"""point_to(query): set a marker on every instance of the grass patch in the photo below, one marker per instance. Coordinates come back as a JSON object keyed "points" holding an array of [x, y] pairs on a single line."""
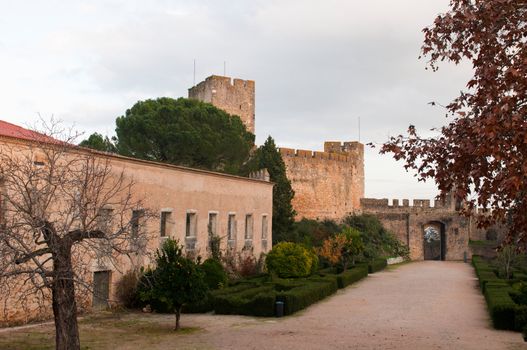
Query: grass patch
{"points": [[482, 243], [105, 330]]}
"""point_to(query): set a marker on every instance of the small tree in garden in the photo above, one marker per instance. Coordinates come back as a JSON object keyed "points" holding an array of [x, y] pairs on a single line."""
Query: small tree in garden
{"points": [[342, 248], [354, 246], [176, 280], [507, 260]]}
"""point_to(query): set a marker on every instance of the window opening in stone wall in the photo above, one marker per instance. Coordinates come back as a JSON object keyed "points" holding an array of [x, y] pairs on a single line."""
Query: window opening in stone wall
{"points": [[213, 224], [104, 219], [136, 222], [231, 227], [265, 228], [231, 231], [165, 221], [136, 243], [39, 159], [191, 225], [249, 226]]}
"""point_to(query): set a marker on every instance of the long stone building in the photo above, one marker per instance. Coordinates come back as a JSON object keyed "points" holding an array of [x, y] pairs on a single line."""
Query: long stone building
{"points": [[187, 203]]}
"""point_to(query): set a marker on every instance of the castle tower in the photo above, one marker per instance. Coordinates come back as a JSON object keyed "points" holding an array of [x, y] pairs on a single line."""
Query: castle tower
{"points": [[234, 96]]}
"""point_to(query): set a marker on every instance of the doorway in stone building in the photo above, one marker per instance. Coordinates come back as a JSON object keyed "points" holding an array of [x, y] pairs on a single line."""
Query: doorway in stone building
{"points": [[434, 243], [101, 289]]}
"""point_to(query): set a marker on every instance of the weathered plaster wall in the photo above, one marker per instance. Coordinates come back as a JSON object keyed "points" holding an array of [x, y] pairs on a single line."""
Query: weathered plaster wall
{"points": [[179, 190], [234, 96], [329, 184]]}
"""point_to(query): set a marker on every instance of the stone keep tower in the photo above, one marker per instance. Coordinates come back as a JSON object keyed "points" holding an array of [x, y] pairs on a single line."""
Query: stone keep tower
{"points": [[234, 96]]}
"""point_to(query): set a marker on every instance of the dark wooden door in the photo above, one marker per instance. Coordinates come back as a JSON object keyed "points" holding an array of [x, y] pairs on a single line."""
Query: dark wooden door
{"points": [[101, 289]]}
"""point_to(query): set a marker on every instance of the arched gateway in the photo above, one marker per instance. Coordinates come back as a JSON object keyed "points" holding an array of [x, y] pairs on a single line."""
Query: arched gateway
{"points": [[434, 242]]}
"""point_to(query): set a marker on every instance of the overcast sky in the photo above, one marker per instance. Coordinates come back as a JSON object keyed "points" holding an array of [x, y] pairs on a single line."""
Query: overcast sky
{"points": [[318, 67]]}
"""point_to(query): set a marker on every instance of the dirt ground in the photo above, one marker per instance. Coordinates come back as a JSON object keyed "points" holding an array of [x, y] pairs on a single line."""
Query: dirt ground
{"points": [[422, 305]]}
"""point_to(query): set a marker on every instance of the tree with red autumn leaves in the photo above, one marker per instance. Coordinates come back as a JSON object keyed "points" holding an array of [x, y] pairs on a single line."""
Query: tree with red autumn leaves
{"points": [[481, 155]]}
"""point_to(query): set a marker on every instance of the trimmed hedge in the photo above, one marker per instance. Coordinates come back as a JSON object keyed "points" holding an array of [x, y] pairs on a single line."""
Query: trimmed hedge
{"points": [[355, 274], [501, 307], [256, 302], [299, 298], [257, 297], [501, 298], [377, 265], [488, 277]]}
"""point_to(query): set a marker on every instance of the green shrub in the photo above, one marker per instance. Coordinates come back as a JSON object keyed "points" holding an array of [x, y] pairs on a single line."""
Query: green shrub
{"points": [[519, 276], [301, 297], [204, 305], [314, 261], [520, 317], [488, 276], [288, 260], [376, 239], [144, 286], [501, 307], [215, 275], [377, 265], [312, 232], [258, 301], [348, 277], [126, 289]]}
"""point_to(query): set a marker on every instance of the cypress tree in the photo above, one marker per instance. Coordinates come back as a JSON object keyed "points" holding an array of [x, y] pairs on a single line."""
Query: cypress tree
{"points": [[267, 156]]}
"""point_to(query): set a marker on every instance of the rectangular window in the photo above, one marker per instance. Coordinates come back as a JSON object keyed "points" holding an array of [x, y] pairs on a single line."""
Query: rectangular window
{"points": [[213, 224], [249, 226], [231, 228], [136, 222], [191, 224], [165, 223], [265, 227], [104, 219]]}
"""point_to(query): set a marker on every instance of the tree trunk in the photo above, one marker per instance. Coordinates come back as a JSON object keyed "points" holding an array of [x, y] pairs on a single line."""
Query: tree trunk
{"points": [[178, 316], [64, 304], [345, 265]]}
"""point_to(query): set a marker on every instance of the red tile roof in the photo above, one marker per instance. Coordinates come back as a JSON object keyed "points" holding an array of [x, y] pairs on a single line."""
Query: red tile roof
{"points": [[12, 130]]}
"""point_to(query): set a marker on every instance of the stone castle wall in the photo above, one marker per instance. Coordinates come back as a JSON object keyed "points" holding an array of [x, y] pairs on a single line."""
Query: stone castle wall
{"points": [[329, 184], [234, 96], [407, 222]]}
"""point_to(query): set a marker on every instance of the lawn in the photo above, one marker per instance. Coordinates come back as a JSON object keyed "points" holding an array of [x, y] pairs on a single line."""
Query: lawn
{"points": [[127, 330]]}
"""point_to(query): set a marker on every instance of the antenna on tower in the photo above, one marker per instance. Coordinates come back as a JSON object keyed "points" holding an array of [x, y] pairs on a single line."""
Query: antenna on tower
{"points": [[224, 68], [359, 128], [194, 81]]}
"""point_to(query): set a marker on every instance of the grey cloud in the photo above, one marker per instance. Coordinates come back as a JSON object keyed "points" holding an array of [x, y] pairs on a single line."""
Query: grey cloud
{"points": [[318, 66]]}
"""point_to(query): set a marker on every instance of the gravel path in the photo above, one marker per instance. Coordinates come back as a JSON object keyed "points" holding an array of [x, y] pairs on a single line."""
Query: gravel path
{"points": [[422, 305]]}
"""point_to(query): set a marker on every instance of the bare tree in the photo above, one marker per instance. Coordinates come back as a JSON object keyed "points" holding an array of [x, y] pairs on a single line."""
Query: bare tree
{"points": [[63, 209]]}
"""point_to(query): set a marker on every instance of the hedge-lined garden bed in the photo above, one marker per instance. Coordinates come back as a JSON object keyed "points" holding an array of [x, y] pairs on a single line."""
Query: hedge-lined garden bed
{"points": [[258, 296], [503, 301]]}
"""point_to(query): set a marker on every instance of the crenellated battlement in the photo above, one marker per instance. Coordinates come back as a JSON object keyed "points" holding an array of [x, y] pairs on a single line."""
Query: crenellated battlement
{"points": [[348, 147], [384, 204], [337, 151], [302, 153], [234, 96]]}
